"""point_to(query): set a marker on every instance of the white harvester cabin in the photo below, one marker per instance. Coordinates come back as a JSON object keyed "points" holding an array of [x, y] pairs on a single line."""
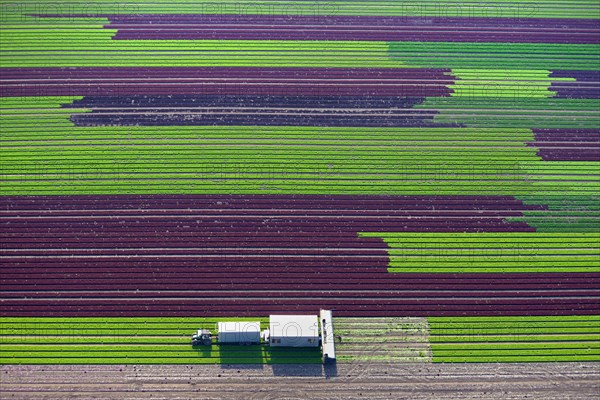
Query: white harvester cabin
{"points": [[239, 332], [294, 330], [327, 338]]}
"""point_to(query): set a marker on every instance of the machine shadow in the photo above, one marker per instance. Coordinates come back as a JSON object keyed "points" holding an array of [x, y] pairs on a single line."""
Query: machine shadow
{"points": [[300, 362], [307, 370], [203, 351], [235, 356]]}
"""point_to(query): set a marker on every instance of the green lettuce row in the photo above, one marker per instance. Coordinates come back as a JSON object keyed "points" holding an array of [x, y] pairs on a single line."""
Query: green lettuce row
{"points": [[497, 8], [481, 331], [551, 347], [459, 236], [516, 358], [515, 339], [495, 269], [449, 8], [491, 252], [589, 322], [257, 172], [75, 187], [520, 104], [268, 186], [164, 359]]}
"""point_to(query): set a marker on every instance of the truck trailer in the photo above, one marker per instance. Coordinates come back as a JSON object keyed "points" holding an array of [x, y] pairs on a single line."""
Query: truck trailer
{"points": [[284, 331]]}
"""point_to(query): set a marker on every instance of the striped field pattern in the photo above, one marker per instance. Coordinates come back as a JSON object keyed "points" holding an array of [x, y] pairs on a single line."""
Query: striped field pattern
{"points": [[428, 170]]}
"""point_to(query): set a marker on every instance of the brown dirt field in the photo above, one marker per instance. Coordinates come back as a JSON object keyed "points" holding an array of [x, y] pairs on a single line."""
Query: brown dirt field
{"points": [[416, 381]]}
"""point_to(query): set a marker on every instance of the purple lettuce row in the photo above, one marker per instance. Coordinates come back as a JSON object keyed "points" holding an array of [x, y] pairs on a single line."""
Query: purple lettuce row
{"points": [[354, 307], [253, 110], [285, 33], [251, 311], [360, 74], [260, 27], [578, 303], [274, 110], [273, 290], [304, 214], [178, 276], [225, 81], [446, 294], [319, 252], [228, 119], [213, 225], [316, 253], [567, 144], [586, 85], [571, 145], [231, 202], [392, 21], [206, 222], [434, 304], [190, 102], [209, 89], [379, 28], [563, 90], [567, 135], [576, 93], [331, 20], [311, 261], [459, 211], [187, 275], [570, 155], [583, 76], [240, 233]]}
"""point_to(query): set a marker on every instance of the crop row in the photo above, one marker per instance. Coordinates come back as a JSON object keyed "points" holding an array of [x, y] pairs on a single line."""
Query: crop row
{"points": [[457, 177], [490, 252], [584, 9], [199, 202], [149, 340], [473, 339], [353, 307], [314, 186], [187, 281], [517, 358], [67, 343], [515, 339], [277, 58], [35, 52]]}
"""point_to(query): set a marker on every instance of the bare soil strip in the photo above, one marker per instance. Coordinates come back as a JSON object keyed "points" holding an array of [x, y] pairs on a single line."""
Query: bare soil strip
{"points": [[417, 381]]}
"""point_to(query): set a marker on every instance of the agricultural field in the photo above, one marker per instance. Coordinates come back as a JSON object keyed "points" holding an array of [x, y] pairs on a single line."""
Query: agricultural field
{"points": [[389, 340], [430, 171]]}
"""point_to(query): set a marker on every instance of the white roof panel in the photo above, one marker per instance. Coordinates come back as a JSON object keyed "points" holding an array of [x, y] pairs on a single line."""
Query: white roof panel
{"points": [[239, 326], [282, 326]]}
